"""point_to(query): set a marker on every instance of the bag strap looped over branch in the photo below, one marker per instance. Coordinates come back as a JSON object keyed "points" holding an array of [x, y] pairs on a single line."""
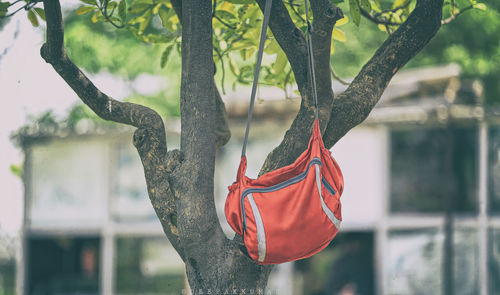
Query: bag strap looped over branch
{"points": [[310, 64]]}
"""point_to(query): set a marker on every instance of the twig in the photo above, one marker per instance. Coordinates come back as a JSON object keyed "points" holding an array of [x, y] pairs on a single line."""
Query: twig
{"points": [[454, 16], [287, 78], [26, 6], [104, 11], [376, 20], [224, 23], [292, 6], [395, 9], [219, 54], [214, 15], [336, 77]]}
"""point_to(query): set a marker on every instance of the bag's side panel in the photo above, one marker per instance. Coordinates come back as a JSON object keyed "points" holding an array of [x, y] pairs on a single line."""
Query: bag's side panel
{"points": [[331, 170], [232, 210]]}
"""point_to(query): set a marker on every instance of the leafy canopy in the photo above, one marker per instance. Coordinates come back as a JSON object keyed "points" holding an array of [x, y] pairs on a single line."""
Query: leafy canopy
{"points": [[117, 25]]}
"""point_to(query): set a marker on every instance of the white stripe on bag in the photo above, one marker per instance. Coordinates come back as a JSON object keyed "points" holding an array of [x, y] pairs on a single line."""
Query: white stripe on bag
{"points": [[261, 234]]}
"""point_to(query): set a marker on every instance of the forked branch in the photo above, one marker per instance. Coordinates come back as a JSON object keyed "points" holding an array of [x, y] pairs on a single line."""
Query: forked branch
{"points": [[353, 106]]}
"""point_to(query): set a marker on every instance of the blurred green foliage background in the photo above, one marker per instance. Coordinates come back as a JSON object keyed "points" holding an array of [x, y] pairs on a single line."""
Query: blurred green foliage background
{"points": [[150, 43]]}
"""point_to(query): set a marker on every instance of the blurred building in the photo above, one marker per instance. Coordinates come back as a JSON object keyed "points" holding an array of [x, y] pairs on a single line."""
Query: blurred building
{"points": [[420, 207]]}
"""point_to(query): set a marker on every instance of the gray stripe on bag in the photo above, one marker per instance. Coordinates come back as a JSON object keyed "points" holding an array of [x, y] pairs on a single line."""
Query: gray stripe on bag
{"points": [[327, 210], [261, 235]]}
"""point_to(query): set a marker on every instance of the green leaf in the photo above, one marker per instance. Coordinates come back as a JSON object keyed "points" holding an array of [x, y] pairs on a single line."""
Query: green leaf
{"points": [[4, 7], [150, 2], [337, 1], [165, 55], [17, 170], [280, 63], [165, 15], [395, 18], [111, 6], [40, 12], [365, 4], [157, 8], [342, 21], [338, 35], [241, 44], [233, 67], [32, 18], [160, 38], [355, 11], [136, 20], [375, 5], [240, 1], [225, 15], [122, 9], [138, 7], [481, 6], [91, 2], [144, 24], [273, 47], [84, 9], [400, 3], [95, 16]]}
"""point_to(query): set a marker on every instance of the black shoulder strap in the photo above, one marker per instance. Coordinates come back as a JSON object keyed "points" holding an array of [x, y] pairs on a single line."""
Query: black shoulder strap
{"points": [[310, 64], [265, 22]]}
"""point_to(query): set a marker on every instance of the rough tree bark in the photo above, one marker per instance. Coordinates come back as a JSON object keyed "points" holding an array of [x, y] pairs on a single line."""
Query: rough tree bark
{"points": [[180, 182]]}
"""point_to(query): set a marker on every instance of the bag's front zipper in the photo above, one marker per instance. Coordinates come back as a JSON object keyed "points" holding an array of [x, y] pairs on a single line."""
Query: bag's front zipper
{"points": [[328, 186]]}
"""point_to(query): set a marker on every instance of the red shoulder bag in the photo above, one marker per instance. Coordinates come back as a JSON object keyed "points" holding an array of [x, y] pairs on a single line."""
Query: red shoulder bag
{"points": [[295, 211]]}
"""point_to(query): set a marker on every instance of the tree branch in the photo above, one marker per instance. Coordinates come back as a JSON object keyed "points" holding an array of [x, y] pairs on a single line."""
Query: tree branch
{"points": [[193, 180], [353, 106], [149, 138], [107, 108], [326, 15], [203, 240], [222, 132]]}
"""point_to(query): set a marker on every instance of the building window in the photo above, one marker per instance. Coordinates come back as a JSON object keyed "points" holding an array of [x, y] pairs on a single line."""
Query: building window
{"points": [[344, 267], [68, 184], [494, 261], [130, 201], [415, 261], [8, 246], [466, 261], [416, 257], [63, 265], [426, 161], [147, 266]]}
